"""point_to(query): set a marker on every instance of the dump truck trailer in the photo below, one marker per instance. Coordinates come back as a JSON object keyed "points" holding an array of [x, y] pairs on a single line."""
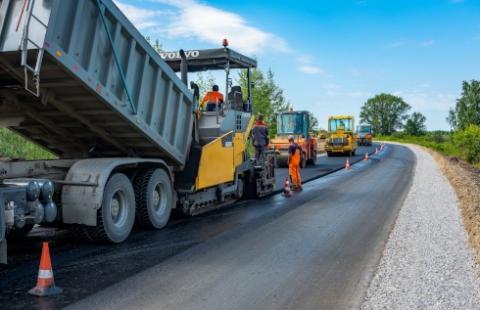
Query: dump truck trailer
{"points": [[78, 79]]}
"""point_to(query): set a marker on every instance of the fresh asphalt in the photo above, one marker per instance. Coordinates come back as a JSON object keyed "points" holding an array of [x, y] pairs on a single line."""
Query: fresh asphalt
{"points": [[314, 250]]}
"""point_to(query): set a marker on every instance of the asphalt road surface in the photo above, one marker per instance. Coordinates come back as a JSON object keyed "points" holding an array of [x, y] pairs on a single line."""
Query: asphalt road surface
{"points": [[316, 249], [325, 165]]}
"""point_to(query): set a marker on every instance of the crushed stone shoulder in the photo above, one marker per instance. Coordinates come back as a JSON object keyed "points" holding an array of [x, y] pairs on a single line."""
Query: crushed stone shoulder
{"points": [[427, 262]]}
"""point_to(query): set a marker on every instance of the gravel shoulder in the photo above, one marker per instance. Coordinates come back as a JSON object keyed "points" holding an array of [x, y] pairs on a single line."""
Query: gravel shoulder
{"points": [[427, 262]]}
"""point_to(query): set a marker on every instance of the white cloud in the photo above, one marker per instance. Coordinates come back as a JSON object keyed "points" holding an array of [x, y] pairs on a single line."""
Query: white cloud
{"points": [[427, 43], [306, 65], [192, 19], [310, 69], [425, 101], [141, 18]]}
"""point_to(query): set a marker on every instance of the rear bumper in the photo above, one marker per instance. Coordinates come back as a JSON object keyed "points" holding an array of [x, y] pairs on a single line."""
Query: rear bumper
{"points": [[338, 149]]}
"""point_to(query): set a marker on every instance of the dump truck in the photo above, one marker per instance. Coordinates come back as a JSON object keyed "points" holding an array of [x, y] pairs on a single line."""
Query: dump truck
{"points": [[364, 135], [341, 139], [296, 124], [78, 79]]}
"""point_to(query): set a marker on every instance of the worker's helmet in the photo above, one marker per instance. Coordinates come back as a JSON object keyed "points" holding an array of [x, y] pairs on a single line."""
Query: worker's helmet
{"points": [[215, 87], [291, 138]]}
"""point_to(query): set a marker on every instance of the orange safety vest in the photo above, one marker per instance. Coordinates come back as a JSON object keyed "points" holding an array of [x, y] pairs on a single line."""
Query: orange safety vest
{"points": [[295, 157], [213, 97]]}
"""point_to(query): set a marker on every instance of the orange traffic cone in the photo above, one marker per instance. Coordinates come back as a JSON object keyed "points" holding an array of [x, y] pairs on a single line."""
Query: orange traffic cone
{"points": [[287, 190], [45, 283], [366, 156], [347, 164]]}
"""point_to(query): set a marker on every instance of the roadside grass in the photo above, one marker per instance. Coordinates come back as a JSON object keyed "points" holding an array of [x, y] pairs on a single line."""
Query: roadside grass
{"points": [[14, 146], [442, 142]]}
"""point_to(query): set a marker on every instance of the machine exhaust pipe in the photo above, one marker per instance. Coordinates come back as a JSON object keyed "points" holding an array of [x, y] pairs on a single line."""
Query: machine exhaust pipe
{"points": [[183, 67]]}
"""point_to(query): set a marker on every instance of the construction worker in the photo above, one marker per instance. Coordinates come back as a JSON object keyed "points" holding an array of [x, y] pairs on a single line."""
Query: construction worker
{"points": [[212, 99], [260, 137], [294, 158]]}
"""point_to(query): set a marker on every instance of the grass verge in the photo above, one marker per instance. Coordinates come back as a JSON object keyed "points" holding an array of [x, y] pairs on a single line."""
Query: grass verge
{"points": [[14, 146]]}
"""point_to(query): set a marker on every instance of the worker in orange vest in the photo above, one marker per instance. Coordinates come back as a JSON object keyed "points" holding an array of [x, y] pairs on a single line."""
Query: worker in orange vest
{"points": [[294, 158], [212, 99]]}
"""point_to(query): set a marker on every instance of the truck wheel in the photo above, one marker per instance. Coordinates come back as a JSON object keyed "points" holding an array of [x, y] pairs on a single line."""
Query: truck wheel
{"points": [[116, 216], [154, 195]]}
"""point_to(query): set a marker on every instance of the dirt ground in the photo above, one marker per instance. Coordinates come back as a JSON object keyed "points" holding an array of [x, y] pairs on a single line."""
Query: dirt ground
{"points": [[465, 179]]}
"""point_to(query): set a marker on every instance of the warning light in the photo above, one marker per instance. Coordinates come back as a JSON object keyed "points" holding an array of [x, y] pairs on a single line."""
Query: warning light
{"points": [[225, 43]]}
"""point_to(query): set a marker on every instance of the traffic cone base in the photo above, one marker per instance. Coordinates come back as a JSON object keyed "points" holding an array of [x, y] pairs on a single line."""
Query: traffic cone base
{"points": [[287, 190], [45, 283], [48, 291]]}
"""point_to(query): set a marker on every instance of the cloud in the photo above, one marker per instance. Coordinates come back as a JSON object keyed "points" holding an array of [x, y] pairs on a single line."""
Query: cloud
{"points": [[397, 44], [427, 101], [192, 19], [310, 69], [306, 65], [141, 18], [427, 43]]}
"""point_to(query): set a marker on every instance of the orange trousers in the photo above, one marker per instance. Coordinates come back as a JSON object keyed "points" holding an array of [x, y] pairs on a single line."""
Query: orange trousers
{"points": [[294, 169]]}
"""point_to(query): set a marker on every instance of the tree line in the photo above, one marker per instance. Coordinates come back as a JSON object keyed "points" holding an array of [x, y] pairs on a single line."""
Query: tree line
{"points": [[388, 115]]}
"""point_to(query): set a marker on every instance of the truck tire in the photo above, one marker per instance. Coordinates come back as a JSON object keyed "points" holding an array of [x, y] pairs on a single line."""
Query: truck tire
{"points": [[154, 196], [116, 216]]}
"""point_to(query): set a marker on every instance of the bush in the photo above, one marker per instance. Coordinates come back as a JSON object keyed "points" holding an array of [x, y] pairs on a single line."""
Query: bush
{"points": [[468, 143]]}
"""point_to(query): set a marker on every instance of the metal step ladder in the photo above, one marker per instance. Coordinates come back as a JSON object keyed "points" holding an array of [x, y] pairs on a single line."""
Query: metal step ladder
{"points": [[31, 72]]}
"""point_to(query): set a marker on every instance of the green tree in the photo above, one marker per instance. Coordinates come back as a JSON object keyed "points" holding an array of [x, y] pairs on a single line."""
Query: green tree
{"points": [[313, 121], [205, 82], [467, 108], [156, 45], [467, 142], [415, 125], [268, 96], [386, 113]]}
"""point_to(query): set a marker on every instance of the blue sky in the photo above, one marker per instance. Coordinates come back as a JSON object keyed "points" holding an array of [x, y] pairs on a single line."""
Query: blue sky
{"points": [[331, 56]]}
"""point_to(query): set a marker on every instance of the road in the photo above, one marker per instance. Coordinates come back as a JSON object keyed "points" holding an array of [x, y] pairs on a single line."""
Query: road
{"points": [[313, 250], [324, 165]]}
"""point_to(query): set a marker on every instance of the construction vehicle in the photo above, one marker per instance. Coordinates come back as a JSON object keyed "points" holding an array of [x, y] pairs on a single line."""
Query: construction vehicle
{"points": [[296, 124], [78, 79], [364, 135], [341, 139]]}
